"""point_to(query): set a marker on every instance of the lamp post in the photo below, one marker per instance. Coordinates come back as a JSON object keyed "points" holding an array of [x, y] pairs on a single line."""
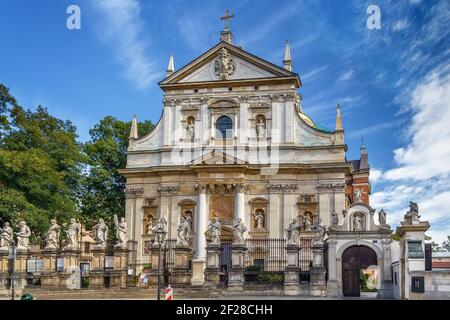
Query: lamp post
{"points": [[12, 258], [160, 237]]}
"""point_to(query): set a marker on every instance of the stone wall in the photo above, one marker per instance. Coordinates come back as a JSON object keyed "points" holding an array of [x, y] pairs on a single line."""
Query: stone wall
{"points": [[437, 285]]}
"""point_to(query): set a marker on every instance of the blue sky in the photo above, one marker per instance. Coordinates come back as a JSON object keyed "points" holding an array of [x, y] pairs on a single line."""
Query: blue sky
{"points": [[393, 83]]}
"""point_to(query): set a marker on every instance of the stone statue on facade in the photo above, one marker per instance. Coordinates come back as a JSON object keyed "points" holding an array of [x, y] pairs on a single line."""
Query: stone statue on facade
{"points": [[259, 219], [23, 236], [100, 233], [357, 222], [191, 130], [214, 231], [412, 216], [307, 222], [239, 230], [73, 234], [334, 219], [382, 217], [121, 231], [260, 129], [319, 232], [151, 225], [52, 236], [357, 196], [293, 232], [184, 230], [224, 66], [6, 236]]}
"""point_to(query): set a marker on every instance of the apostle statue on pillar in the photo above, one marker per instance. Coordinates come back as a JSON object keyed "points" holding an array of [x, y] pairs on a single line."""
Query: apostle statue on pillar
{"points": [[214, 231], [6, 236], [73, 234], [357, 196], [184, 230], [101, 233], [52, 236], [239, 230], [121, 231], [293, 232], [319, 232], [23, 236]]}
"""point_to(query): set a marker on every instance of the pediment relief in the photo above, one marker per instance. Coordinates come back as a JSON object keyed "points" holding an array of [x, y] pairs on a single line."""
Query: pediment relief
{"points": [[226, 62], [217, 158]]}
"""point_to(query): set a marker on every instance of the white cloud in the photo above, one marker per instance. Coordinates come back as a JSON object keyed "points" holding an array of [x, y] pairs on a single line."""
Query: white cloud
{"points": [[422, 169], [400, 25], [313, 74], [121, 29], [375, 175], [346, 76]]}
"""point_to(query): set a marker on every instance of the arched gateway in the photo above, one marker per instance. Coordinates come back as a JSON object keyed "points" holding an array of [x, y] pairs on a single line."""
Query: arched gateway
{"points": [[355, 259]]}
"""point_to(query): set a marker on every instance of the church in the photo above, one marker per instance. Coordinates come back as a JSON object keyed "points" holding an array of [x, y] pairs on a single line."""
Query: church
{"points": [[234, 142]]}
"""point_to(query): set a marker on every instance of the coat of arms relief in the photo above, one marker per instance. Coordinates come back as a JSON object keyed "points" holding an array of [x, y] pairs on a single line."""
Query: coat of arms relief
{"points": [[224, 65]]}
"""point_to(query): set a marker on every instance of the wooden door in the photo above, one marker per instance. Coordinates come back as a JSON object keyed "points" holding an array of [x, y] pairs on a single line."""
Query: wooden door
{"points": [[354, 259]]}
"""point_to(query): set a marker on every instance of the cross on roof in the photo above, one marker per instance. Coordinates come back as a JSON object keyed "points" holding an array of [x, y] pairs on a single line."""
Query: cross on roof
{"points": [[226, 18]]}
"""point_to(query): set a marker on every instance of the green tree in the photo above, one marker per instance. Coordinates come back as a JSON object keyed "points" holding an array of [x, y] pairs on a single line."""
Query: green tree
{"points": [[40, 165], [103, 186], [446, 244], [435, 247]]}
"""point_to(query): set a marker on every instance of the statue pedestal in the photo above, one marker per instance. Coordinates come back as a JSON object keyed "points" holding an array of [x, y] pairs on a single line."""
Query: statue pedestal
{"points": [[49, 277], [181, 273], [291, 273], [198, 272], [318, 286], [70, 277], [4, 269], [236, 273], [20, 268], [153, 275], [212, 271], [118, 276], [96, 274]]}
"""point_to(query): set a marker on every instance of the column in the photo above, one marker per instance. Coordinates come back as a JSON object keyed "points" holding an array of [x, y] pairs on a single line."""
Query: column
{"points": [[198, 263], [332, 283], [241, 189], [318, 287], [292, 271]]}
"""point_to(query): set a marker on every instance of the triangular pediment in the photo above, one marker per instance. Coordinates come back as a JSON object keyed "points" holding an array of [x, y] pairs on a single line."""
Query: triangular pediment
{"points": [[217, 158], [225, 62]]}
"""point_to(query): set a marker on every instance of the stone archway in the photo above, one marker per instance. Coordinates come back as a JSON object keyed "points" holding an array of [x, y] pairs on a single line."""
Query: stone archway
{"points": [[354, 259]]}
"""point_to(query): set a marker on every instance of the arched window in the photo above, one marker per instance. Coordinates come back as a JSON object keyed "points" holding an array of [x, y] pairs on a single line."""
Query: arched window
{"points": [[224, 127]]}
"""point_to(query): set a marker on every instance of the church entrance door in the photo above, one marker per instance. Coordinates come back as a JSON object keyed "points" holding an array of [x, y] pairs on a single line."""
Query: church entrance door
{"points": [[354, 260]]}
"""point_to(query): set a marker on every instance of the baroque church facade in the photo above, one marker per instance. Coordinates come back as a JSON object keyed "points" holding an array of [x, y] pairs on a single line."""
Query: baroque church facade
{"points": [[234, 142]]}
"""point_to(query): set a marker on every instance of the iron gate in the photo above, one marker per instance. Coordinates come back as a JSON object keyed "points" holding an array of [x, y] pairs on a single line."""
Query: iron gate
{"points": [[225, 259]]}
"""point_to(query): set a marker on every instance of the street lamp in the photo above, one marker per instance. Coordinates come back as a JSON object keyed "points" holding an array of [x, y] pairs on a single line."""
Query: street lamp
{"points": [[12, 258], [160, 237]]}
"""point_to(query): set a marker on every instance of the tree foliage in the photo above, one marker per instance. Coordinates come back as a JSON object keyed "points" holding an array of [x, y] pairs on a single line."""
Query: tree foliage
{"points": [[45, 172]]}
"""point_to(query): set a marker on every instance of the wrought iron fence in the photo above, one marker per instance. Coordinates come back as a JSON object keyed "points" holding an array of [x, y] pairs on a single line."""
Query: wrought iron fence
{"points": [[168, 259], [225, 259], [265, 261], [305, 257]]}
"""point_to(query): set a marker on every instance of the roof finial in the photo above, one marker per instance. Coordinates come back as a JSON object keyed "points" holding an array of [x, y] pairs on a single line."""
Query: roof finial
{"points": [[226, 35], [170, 66], [134, 129], [287, 61], [338, 118]]}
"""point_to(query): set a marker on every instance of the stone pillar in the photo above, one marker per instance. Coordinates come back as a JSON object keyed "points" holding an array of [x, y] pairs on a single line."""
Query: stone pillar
{"points": [[181, 274], [70, 277], [153, 276], [20, 268], [198, 263], [317, 274], [236, 273], [212, 271], [332, 283], [291, 274], [49, 278], [411, 232], [4, 268], [96, 274], [118, 276]]}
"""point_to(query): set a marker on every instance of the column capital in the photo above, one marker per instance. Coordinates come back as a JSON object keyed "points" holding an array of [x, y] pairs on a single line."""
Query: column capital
{"points": [[200, 188], [168, 190], [241, 188], [134, 192]]}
